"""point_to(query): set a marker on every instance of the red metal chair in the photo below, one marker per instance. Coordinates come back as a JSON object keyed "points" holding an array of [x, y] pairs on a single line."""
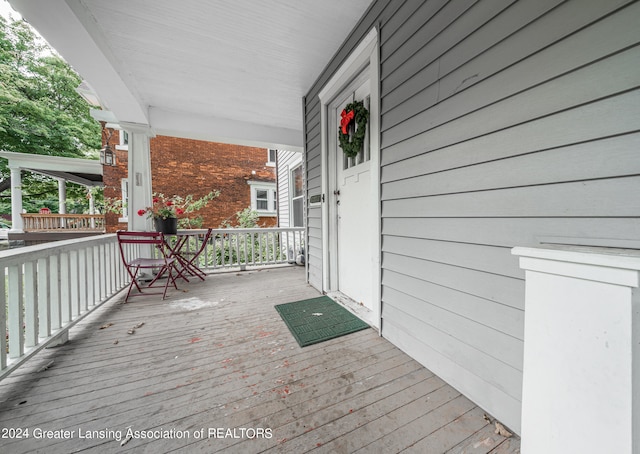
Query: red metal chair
{"points": [[134, 244], [189, 259]]}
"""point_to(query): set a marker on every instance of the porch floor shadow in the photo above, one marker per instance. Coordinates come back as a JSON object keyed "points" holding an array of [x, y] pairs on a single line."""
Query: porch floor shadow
{"points": [[213, 368]]}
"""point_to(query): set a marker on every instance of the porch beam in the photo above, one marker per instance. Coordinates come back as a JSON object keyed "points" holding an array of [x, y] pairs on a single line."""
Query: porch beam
{"points": [[224, 130]]}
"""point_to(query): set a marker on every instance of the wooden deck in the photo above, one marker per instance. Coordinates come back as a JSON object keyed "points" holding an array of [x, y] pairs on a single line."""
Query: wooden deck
{"points": [[214, 369]]}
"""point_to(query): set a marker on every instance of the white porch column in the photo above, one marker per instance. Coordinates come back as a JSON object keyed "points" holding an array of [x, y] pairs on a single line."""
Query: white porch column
{"points": [[62, 200], [581, 383], [62, 196], [140, 187], [17, 225], [92, 207]]}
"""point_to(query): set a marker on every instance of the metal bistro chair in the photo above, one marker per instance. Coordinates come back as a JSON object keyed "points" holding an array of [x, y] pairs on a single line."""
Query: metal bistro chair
{"points": [[162, 262], [189, 259]]}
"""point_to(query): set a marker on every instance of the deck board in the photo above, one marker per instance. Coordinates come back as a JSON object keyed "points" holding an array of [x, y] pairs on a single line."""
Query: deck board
{"points": [[217, 355]]}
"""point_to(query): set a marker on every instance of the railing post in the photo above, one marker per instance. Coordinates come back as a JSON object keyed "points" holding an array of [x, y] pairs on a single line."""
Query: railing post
{"points": [[581, 375]]}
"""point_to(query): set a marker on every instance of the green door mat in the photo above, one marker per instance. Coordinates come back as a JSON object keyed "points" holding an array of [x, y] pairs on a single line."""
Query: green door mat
{"points": [[318, 319]]}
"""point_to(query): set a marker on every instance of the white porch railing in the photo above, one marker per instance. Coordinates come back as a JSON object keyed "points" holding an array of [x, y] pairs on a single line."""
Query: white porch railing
{"points": [[34, 222], [48, 288], [243, 248]]}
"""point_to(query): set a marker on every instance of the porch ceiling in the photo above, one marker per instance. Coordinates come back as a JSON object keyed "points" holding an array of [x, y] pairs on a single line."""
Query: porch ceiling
{"points": [[225, 70]]}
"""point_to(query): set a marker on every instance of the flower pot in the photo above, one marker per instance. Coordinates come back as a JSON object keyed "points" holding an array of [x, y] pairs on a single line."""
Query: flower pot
{"points": [[167, 226]]}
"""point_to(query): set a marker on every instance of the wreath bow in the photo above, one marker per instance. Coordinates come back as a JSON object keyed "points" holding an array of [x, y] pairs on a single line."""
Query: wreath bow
{"points": [[351, 144], [346, 120]]}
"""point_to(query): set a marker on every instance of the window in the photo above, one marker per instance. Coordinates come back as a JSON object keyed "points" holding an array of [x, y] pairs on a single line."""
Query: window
{"points": [[264, 198], [297, 197], [124, 140], [271, 157], [124, 188]]}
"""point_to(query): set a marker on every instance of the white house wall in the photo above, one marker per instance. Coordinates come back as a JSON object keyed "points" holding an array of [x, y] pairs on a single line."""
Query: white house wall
{"points": [[503, 123], [287, 161]]}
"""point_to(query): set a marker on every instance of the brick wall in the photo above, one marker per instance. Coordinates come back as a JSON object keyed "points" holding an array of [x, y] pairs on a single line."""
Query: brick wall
{"points": [[186, 166]]}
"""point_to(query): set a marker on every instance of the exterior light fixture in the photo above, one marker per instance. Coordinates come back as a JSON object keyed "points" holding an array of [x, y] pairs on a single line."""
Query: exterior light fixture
{"points": [[107, 155]]}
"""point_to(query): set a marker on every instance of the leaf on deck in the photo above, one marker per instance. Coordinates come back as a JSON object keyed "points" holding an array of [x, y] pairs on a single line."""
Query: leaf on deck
{"points": [[500, 430]]}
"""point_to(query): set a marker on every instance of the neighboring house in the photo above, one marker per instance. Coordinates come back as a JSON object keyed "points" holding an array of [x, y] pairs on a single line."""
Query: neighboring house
{"points": [[290, 181], [245, 177], [493, 125]]}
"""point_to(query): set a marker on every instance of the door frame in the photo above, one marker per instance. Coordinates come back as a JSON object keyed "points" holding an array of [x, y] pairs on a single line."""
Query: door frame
{"points": [[366, 54]]}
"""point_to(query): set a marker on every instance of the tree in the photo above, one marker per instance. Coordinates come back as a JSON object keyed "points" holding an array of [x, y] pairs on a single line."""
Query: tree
{"points": [[40, 111]]}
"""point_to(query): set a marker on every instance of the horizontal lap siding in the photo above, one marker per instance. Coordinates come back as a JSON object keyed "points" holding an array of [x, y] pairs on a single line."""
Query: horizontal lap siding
{"points": [[287, 160], [503, 124]]}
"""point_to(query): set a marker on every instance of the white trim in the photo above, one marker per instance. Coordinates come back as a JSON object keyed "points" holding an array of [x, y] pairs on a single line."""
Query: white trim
{"points": [[272, 196], [269, 162], [124, 196], [292, 188], [356, 60], [365, 54]]}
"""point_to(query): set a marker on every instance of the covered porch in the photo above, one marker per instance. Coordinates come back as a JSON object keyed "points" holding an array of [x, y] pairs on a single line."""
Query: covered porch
{"points": [[213, 366]]}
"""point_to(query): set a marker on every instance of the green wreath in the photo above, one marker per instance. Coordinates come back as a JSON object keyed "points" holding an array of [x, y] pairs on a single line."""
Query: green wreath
{"points": [[351, 141]]}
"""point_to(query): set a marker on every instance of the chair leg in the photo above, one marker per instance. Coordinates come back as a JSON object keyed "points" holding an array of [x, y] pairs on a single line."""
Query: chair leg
{"points": [[133, 282]]}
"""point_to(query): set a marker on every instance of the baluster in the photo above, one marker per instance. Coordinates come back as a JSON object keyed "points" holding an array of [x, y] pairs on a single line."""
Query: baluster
{"points": [[44, 290], [84, 281], [65, 288], [16, 312], [31, 308], [56, 297], [74, 283]]}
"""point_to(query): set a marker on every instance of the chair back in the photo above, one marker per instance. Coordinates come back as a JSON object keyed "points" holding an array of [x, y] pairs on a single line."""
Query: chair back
{"points": [[204, 242], [139, 238]]}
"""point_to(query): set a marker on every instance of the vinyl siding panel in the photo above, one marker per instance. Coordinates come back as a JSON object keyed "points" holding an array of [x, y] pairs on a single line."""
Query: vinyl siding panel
{"points": [[287, 160], [503, 123]]}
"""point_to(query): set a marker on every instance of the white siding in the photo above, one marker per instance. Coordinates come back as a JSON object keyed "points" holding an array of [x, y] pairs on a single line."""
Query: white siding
{"points": [[503, 124], [287, 160]]}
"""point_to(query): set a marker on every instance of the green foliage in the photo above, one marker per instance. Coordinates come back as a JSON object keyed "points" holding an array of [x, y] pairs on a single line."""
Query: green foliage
{"points": [[40, 111], [245, 248], [245, 219]]}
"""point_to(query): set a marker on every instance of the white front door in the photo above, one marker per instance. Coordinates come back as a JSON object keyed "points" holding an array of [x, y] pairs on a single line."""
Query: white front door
{"points": [[355, 202]]}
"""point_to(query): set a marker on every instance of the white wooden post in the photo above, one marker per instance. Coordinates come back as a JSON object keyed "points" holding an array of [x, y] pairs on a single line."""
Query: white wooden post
{"points": [[581, 376], [62, 200], [92, 208], [140, 187], [16, 200]]}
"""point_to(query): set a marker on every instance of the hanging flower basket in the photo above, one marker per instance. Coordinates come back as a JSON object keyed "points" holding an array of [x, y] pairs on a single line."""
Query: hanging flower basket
{"points": [[353, 128]]}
